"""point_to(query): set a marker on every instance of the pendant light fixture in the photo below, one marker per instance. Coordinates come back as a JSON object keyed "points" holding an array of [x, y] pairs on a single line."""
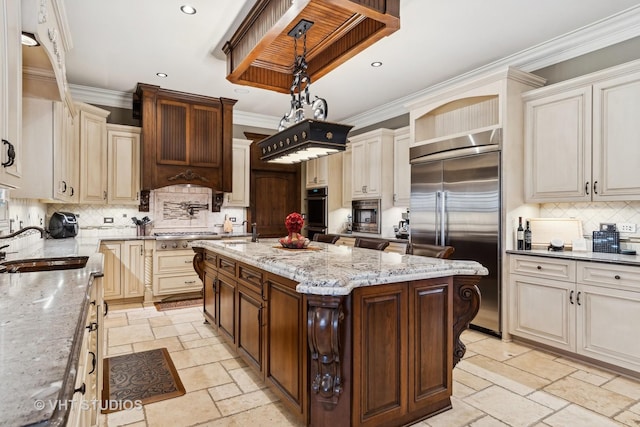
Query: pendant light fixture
{"points": [[299, 138]]}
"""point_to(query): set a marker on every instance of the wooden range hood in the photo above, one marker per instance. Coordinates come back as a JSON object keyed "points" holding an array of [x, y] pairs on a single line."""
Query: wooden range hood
{"points": [[261, 54]]}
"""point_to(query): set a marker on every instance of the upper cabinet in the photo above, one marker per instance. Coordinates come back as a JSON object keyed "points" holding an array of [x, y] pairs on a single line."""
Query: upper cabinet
{"points": [[241, 169], [186, 138], [317, 172], [372, 165], [92, 128], [578, 138], [49, 134], [401, 168], [347, 187], [123, 164], [10, 94]]}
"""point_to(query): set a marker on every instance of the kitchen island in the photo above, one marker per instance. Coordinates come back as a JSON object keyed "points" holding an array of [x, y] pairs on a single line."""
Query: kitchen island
{"points": [[344, 336]]}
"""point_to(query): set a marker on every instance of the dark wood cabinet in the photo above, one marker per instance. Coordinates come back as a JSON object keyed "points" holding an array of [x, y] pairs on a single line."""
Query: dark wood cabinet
{"points": [[286, 341], [186, 138], [210, 295], [227, 305], [249, 334]]}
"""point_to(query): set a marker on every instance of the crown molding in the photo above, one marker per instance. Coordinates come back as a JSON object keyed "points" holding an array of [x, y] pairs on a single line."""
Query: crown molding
{"points": [[606, 32]]}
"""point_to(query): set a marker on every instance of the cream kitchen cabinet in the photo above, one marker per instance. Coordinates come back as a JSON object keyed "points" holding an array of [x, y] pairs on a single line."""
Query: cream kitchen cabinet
{"points": [[347, 186], [123, 164], [92, 128], [588, 308], [49, 128], [577, 138], [123, 269], [372, 164], [317, 172], [173, 272], [11, 155], [401, 168], [239, 195]]}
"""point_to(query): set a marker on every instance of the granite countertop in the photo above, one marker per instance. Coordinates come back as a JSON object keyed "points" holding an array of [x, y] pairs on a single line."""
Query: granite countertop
{"points": [[42, 314], [583, 256], [337, 269]]}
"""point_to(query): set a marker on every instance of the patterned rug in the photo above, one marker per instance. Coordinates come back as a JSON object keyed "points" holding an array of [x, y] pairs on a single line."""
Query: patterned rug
{"points": [[147, 377], [171, 305]]}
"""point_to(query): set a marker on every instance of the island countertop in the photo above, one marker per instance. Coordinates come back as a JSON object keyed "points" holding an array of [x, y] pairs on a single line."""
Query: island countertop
{"points": [[326, 269]]}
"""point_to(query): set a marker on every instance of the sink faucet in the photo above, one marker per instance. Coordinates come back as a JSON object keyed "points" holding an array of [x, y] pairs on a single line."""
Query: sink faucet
{"points": [[22, 230], [254, 232], [3, 254]]}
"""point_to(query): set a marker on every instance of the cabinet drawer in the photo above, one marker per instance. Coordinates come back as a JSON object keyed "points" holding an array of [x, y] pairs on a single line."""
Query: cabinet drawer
{"points": [[173, 262], [610, 275], [172, 284], [558, 269], [250, 277], [227, 266], [211, 260]]}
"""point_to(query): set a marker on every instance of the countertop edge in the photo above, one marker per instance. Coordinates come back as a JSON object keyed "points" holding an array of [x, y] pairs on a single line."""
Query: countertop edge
{"points": [[600, 257]]}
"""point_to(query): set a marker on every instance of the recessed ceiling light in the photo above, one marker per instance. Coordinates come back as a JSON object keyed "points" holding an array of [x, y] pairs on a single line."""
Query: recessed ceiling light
{"points": [[241, 90], [29, 39], [163, 75], [189, 10], [376, 64]]}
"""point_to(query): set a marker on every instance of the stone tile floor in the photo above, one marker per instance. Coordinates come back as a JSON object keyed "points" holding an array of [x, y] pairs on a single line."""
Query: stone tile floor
{"points": [[496, 384]]}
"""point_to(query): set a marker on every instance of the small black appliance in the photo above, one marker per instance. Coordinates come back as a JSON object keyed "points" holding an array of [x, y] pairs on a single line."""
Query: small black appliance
{"points": [[63, 225]]}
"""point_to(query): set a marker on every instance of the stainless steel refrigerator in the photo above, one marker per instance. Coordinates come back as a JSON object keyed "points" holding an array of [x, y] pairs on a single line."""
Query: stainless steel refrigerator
{"points": [[455, 201]]}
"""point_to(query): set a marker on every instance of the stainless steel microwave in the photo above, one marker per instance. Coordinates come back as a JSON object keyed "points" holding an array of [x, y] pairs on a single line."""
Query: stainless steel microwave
{"points": [[366, 216]]}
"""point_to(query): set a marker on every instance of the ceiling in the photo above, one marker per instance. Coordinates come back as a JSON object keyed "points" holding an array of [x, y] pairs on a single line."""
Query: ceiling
{"points": [[118, 43]]}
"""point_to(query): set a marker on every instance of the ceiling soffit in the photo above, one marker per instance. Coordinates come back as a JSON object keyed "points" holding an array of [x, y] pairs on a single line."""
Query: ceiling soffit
{"points": [[261, 53]]}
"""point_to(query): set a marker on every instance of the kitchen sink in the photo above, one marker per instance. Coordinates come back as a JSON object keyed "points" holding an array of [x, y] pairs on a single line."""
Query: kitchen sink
{"points": [[43, 264]]}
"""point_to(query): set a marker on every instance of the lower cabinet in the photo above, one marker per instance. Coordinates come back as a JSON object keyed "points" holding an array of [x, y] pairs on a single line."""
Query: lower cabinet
{"points": [[588, 308], [173, 273], [88, 385], [123, 269]]}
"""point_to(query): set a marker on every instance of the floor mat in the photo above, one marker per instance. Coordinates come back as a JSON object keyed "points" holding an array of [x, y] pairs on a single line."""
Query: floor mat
{"points": [[148, 376], [170, 305]]}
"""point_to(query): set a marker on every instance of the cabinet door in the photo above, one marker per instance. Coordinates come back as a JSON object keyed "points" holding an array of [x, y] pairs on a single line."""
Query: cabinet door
{"points": [[608, 325], [112, 252], [616, 108], [286, 340], [205, 136], [401, 169], [10, 93], [360, 169], [93, 158], [133, 268], [210, 283], [347, 179], [123, 161], [239, 195], [373, 172], [558, 147], [317, 172], [249, 333], [543, 310], [227, 307], [172, 137], [66, 168]]}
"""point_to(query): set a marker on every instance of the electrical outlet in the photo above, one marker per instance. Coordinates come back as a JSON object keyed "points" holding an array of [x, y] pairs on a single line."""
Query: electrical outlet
{"points": [[108, 220], [232, 218], [626, 227]]}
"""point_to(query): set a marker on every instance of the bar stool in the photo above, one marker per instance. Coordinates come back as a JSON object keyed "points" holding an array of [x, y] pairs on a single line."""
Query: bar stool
{"points": [[376, 244], [326, 238], [433, 251]]}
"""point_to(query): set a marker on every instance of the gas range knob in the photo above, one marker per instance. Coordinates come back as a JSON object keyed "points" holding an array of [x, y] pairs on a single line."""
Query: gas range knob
{"points": [[185, 244], [174, 245], [163, 246]]}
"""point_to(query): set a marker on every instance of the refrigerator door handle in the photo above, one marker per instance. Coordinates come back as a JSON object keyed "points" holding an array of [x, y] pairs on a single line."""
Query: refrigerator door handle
{"points": [[437, 213], [443, 209]]}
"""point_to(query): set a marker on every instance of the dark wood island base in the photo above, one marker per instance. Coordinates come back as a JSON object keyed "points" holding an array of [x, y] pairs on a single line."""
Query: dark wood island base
{"points": [[382, 355]]}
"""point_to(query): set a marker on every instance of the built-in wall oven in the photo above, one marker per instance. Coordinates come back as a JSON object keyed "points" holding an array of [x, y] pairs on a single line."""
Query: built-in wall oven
{"points": [[317, 215], [366, 216]]}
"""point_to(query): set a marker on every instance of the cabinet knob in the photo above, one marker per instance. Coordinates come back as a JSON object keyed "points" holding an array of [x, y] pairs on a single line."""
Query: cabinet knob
{"points": [[104, 194], [82, 389], [539, 267], [64, 186], [72, 192], [189, 282], [595, 187], [11, 154], [617, 277], [586, 188]]}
